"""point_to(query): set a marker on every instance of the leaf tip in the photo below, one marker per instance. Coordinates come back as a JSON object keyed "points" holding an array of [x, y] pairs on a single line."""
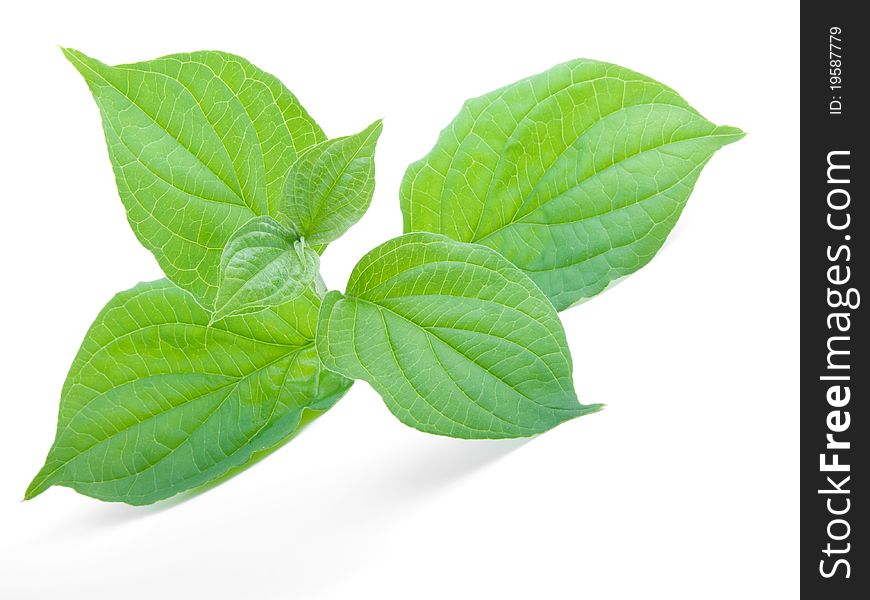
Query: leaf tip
{"points": [[374, 130], [36, 487], [588, 409], [730, 134], [71, 54], [81, 61]]}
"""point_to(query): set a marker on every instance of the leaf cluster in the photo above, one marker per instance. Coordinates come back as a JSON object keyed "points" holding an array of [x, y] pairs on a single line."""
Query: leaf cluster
{"points": [[535, 197]]}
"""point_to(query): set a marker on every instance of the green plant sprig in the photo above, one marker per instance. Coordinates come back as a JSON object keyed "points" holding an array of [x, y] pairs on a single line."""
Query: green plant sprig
{"points": [[536, 196]]}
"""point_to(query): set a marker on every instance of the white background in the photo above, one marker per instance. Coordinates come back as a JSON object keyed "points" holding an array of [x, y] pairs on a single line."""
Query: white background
{"points": [[686, 486]]}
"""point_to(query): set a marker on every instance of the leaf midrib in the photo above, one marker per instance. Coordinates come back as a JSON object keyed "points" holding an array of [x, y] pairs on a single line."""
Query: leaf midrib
{"points": [[459, 352], [572, 263], [173, 185], [236, 381], [336, 179], [245, 282], [416, 391], [659, 148], [144, 112], [522, 119], [368, 291]]}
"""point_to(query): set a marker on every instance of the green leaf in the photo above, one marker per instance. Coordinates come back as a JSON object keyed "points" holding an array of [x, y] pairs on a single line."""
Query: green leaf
{"points": [[330, 186], [157, 402], [263, 265], [200, 143], [576, 175], [457, 340]]}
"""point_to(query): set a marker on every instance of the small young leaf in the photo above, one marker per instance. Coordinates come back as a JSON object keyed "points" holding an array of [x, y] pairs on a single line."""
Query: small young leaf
{"points": [[576, 175], [457, 340], [157, 401], [263, 265], [330, 186], [200, 143]]}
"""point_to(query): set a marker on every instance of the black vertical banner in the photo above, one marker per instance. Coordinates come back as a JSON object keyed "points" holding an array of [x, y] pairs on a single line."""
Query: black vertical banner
{"points": [[834, 370]]}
